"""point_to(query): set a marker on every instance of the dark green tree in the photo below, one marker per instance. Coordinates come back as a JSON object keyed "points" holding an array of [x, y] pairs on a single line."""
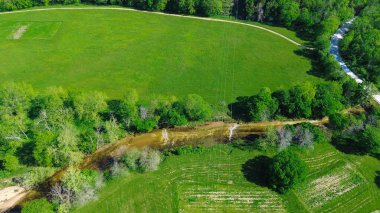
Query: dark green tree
{"points": [[285, 171]]}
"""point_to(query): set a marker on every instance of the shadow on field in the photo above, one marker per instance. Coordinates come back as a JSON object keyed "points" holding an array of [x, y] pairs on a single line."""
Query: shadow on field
{"points": [[346, 145], [377, 179], [311, 55], [255, 170]]}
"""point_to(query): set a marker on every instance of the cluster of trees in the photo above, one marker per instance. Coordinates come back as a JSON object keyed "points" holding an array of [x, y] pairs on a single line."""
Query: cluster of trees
{"points": [[7, 5], [190, 7], [305, 16], [299, 135], [144, 160], [301, 101], [361, 46], [357, 133], [77, 188], [55, 128]]}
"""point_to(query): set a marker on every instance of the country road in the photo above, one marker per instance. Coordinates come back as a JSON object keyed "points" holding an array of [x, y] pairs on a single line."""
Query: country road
{"points": [[334, 50]]}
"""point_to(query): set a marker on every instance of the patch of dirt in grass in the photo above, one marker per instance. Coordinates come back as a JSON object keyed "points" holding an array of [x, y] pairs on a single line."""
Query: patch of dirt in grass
{"points": [[331, 186], [9, 196], [227, 198], [19, 32]]}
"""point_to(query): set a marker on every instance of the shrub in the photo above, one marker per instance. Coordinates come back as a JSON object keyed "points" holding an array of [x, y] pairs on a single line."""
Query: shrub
{"points": [[38, 206], [196, 108], [73, 179], [130, 158], [368, 141], [146, 125], [339, 121], [36, 176], [210, 7], [10, 162], [285, 171], [188, 150], [149, 160]]}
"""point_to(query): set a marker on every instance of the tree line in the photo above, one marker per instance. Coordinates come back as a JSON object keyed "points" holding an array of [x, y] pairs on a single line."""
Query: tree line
{"points": [[55, 127], [305, 100], [361, 46]]}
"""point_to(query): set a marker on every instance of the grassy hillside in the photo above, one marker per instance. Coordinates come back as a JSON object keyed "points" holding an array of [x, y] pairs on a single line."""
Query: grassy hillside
{"points": [[214, 182], [114, 50]]}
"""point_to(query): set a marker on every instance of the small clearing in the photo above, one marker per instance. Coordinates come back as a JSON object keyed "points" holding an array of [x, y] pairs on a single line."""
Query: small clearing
{"points": [[19, 32]]}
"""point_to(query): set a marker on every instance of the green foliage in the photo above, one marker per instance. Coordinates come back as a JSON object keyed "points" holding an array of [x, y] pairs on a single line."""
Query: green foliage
{"points": [[73, 179], [286, 171], [196, 108], [10, 162], [91, 177], [144, 161], [43, 151], [327, 100], [38, 206], [88, 105], [36, 176], [368, 140], [146, 125], [149, 160], [297, 101], [183, 150], [262, 106], [186, 6], [113, 131], [209, 7], [361, 48], [338, 121], [130, 158]]}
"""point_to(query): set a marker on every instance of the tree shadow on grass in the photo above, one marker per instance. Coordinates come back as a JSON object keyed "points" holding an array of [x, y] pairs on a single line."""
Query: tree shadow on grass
{"points": [[377, 179], [312, 55], [255, 170], [346, 145]]}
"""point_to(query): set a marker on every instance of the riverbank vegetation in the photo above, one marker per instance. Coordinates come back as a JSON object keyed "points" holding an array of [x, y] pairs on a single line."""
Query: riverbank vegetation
{"points": [[361, 47], [291, 168]]}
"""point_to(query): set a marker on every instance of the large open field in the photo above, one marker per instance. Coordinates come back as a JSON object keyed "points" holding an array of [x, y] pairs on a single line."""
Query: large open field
{"points": [[214, 182], [110, 51]]}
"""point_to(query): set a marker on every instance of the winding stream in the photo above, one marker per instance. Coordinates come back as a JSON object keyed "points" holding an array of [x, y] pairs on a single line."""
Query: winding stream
{"points": [[334, 50]]}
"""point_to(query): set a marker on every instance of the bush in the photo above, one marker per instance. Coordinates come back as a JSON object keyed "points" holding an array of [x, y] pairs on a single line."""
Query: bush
{"points": [[10, 162], [210, 7], [196, 108], [339, 121], [285, 171], [149, 160], [130, 158], [188, 150], [368, 141], [36, 176], [38, 206], [146, 125]]}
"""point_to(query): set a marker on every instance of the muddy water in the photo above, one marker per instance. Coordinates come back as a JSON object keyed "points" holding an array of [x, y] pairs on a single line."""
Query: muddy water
{"points": [[207, 134]]}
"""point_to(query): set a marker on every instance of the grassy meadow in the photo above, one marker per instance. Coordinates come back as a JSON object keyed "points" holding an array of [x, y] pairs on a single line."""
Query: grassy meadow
{"points": [[214, 182], [111, 51]]}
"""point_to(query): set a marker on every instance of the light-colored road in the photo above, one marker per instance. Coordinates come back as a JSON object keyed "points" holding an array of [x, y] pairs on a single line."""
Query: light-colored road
{"points": [[159, 13], [334, 50]]}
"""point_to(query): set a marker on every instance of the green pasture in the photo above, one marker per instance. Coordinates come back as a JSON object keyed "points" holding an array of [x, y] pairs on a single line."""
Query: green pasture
{"points": [[111, 51], [214, 182]]}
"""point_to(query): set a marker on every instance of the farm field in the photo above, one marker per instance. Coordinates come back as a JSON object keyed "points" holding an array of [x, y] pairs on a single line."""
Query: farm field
{"points": [[214, 182], [111, 51]]}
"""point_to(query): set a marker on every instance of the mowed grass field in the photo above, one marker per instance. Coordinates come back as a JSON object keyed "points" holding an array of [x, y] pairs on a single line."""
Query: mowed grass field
{"points": [[214, 182], [111, 51]]}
